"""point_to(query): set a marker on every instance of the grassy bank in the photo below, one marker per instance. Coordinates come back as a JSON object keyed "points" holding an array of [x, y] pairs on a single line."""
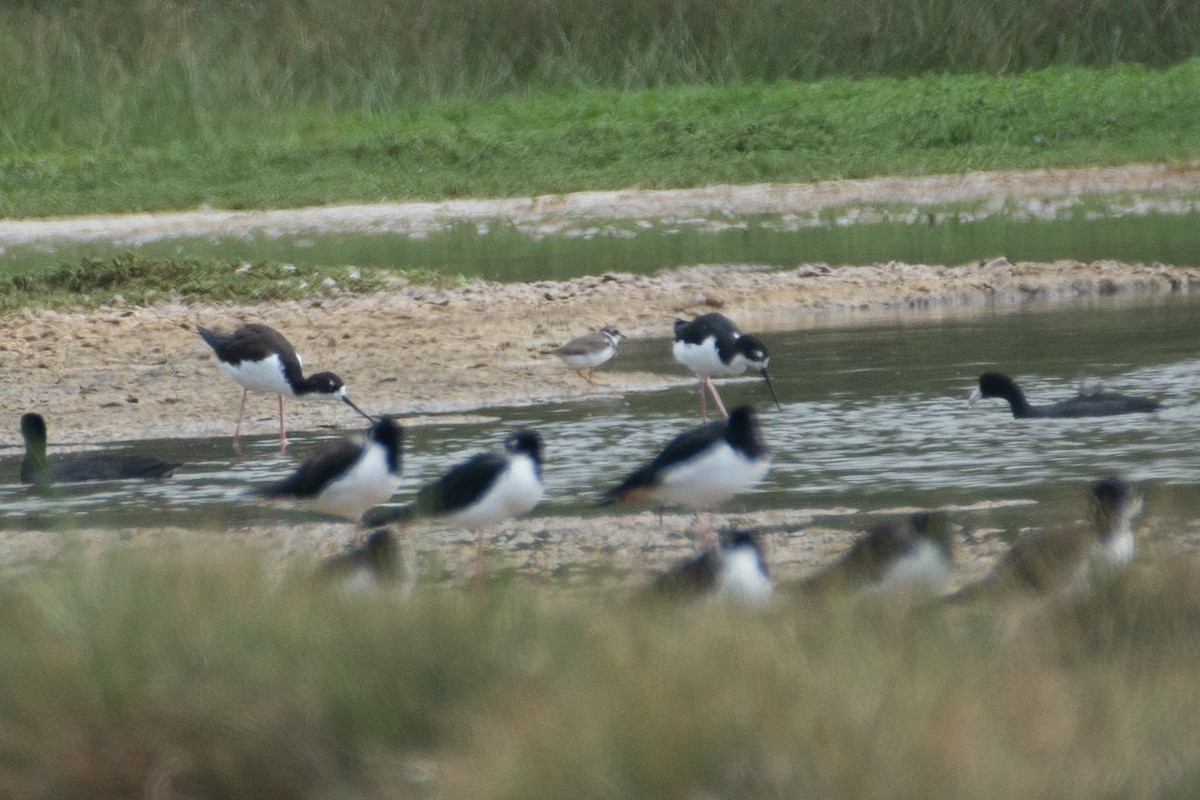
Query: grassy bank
{"points": [[604, 138], [191, 678], [129, 278], [154, 71]]}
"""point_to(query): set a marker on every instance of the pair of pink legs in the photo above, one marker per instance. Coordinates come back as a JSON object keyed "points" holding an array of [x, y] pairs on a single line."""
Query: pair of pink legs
{"points": [[712, 387], [237, 429]]}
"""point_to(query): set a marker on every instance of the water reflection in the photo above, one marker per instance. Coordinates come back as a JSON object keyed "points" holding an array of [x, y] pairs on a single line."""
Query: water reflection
{"points": [[874, 417]]}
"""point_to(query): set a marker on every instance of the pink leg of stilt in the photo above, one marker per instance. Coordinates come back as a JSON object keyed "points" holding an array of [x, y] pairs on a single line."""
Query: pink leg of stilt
{"points": [[703, 401], [237, 428], [282, 432], [712, 387]]}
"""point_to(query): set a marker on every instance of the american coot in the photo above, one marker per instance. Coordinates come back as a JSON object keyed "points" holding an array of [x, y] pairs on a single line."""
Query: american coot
{"points": [[262, 360], [711, 346], [1067, 559], [915, 554], [1085, 404], [37, 468], [589, 351], [703, 466], [484, 490], [345, 479], [733, 569]]}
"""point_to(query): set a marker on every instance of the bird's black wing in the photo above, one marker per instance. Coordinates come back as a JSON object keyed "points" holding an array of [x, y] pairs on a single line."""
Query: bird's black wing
{"points": [[315, 474], [461, 486], [704, 326], [678, 450]]}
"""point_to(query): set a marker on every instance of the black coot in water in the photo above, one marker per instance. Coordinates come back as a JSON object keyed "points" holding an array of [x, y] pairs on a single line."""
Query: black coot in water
{"points": [[1084, 404], [37, 468]]}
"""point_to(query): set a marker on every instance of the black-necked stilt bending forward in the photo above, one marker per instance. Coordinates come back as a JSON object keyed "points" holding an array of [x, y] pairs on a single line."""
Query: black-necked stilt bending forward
{"points": [[262, 360], [711, 346], [482, 491], [1084, 404], [1067, 559], [36, 466], [589, 351], [913, 556], [702, 467], [733, 569], [345, 479]]}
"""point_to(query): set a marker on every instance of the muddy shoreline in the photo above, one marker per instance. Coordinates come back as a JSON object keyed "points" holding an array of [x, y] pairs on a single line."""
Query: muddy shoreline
{"points": [[122, 373], [125, 372]]}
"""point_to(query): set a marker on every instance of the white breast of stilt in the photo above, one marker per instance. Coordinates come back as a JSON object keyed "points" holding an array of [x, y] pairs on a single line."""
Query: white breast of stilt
{"points": [[1117, 551], [260, 376], [366, 484], [925, 568], [703, 360], [515, 490], [742, 579], [710, 478]]}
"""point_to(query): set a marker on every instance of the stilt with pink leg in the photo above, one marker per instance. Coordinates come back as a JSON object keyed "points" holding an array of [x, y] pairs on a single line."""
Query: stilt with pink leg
{"points": [[702, 467], [712, 346], [478, 493], [262, 360]]}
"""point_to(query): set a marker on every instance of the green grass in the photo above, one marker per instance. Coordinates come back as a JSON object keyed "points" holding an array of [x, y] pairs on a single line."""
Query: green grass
{"points": [[603, 138], [130, 278], [150, 72], [186, 675]]}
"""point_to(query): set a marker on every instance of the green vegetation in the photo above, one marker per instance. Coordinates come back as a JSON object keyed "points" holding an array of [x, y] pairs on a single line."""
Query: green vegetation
{"points": [[157, 71], [597, 139], [169, 104], [138, 280], [189, 677]]}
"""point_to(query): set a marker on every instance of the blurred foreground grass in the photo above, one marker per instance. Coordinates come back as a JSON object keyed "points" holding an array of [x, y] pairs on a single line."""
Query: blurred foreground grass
{"points": [[189, 675]]}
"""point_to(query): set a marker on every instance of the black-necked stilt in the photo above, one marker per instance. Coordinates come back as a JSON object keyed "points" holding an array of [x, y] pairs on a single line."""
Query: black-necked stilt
{"points": [[484, 490], [589, 351], [732, 569], [702, 467], [37, 468], [262, 360], [711, 346], [345, 479], [376, 562], [914, 555], [1089, 404], [1067, 559]]}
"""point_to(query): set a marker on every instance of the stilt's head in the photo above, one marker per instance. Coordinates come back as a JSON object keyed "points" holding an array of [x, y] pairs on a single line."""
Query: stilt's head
{"points": [[326, 384], [526, 442], [1115, 506], [320, 386], [755, 353], [390, 434]]}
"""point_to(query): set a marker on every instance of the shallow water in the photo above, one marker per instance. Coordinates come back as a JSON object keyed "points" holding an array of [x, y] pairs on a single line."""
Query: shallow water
{"points": [[874, 419], [501, 251]]}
